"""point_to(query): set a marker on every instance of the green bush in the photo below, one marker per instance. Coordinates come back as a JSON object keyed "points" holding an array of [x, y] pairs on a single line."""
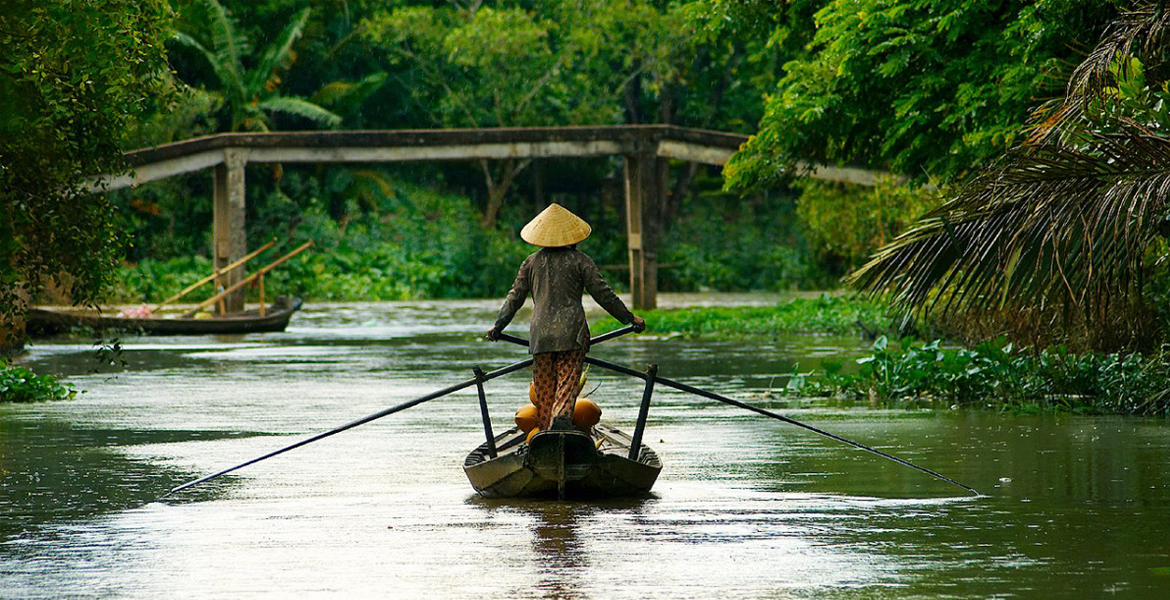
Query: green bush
{"points": [[20, 384]]}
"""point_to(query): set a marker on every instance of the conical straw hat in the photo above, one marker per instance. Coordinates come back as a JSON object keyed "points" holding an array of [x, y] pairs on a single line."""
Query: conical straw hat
{"points": [[555, 226]]}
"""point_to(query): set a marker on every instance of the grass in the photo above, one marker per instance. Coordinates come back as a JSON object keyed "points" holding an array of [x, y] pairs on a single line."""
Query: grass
{"points": [[825, 314]]}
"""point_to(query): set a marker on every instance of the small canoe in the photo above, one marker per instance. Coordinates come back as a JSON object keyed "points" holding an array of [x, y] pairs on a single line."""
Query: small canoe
{"points": [[48, 322], [563, 464]]}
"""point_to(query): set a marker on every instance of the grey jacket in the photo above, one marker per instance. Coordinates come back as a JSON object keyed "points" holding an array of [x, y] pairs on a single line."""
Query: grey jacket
{"points": [[556, 277]]}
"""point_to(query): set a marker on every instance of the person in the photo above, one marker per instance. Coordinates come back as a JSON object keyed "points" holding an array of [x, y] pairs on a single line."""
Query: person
{"points": [[555, 276]]}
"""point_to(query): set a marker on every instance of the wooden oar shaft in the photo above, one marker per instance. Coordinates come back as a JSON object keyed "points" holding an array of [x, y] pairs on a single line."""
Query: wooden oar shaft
{"points": [[362, 421], [605, 337], [217, 273], [249, 279], [767, 413]]}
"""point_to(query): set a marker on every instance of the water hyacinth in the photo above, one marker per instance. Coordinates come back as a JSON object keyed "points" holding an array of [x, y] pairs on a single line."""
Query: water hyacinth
{"points": [[999, 375], [20, 384]]}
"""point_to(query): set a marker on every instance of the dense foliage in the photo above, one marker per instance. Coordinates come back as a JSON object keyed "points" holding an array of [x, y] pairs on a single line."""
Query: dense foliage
{"points": [[1066, 232], [919, 87], [409, 241], [248, 94], [996, 374], [19, 384], [845, 223], [70, 84]]}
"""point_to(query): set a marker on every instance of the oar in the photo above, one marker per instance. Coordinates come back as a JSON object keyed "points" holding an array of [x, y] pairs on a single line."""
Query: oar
{"points": [[767, 413], [605, 337], [396, 408], [362, 421]]}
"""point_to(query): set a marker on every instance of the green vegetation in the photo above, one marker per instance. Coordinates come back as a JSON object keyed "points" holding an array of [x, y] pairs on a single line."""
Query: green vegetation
{"points": [[249, 95], [1067, 233], [1062, 242], [927, 88], [391, 239], [825, 314], [845, 223], [415, 243], [998, 375], [19, 384], [71, 81]]}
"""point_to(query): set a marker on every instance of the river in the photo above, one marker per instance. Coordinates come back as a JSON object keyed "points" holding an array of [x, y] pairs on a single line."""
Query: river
{"points": [[746, 507]]}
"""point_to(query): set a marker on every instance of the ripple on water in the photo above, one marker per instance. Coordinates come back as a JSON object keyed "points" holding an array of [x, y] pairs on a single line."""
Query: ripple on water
{"points": [[745, 507]]}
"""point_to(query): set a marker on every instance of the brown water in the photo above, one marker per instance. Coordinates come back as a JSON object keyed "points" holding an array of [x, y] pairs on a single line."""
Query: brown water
{"points": [[1075, 507]]}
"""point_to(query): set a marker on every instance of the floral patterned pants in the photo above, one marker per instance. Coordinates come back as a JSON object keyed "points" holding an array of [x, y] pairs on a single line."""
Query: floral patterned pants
{"points": [[556, 377]]}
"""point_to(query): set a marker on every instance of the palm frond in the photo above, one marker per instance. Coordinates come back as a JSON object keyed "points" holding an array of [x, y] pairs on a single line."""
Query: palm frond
{"points": [[190, 41], [227, 72], [1142, 32], [1062, 225], [228, 42], [301, 108], [347, 96], [277, 53]]}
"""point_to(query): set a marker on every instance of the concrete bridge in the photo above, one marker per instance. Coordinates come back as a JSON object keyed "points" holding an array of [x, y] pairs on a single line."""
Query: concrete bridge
{"points": [[646, 150]]}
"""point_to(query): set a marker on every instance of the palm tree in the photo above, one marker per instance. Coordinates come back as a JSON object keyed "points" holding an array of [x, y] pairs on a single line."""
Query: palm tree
{"points": [[1062, 225], [250, 95]]}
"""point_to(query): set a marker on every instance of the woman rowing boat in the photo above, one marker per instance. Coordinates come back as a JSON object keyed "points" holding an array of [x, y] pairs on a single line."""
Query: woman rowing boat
{"points": [[556, 276]]}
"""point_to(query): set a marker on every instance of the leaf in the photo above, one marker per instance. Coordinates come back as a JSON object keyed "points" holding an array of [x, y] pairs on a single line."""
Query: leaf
{"points": [[276, 53], [301, 108]]}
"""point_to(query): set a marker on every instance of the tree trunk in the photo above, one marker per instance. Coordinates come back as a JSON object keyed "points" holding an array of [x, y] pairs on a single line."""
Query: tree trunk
{"points": [[12, 327], [538, 185], [631, 97], [674, 199], [498, 186]]}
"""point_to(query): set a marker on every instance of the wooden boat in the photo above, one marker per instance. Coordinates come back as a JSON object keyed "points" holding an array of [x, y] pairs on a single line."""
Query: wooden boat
{"points": [[47, 322], [562, 464]]}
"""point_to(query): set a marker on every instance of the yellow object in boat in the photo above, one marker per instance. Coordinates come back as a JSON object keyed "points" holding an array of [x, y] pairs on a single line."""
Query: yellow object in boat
{"points": [[526, 418], [586, 414], [535, 430]]}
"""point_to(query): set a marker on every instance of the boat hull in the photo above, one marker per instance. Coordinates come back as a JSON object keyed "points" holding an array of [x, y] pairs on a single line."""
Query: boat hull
{"points": [[563, 464], [49, 322]]}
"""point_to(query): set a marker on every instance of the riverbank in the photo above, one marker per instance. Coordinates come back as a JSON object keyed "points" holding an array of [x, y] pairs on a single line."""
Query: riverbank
{"points": [[835, 313], [912, 373]]}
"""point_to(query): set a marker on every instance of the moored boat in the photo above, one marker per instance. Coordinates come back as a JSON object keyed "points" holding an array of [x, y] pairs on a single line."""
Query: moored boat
{"points": [[276, 317], [563, 464]]}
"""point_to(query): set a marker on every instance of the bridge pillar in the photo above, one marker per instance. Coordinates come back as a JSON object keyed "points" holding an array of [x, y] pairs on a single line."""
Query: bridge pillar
{"points": [[645, 183], [230, 241]]}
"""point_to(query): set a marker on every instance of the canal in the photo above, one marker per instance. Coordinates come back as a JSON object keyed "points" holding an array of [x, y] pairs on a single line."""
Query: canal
{"points": [[1073, 506]]}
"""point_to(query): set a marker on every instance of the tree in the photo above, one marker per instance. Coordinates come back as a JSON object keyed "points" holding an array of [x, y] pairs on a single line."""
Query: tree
{"points": [[1063, 226], [69, 84], [250, 94], [926, 88], [553, 64]]}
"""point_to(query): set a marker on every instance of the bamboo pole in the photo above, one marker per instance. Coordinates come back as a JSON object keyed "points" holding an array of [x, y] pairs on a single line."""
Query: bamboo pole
{"points": [[241, 283], [214, 276], [262, 294]]}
